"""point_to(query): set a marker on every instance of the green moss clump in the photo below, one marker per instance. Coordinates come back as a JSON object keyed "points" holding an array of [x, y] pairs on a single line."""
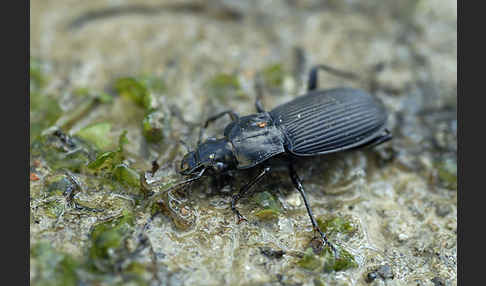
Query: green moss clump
{"points": [[224, 81], [126, 175], [447, 172], [325, 261], [107, 242], [106, 160], [37, 77], [137, 91], [111, 165], [310, 261], [102, 97], [225, 86], [53, 267], [154, 83], [336, 225], [270, 205], [44, 112], [267, 214], [62, 152], [153, 125], [97, 134], [344, 261], [273, 75], [54, 209]]}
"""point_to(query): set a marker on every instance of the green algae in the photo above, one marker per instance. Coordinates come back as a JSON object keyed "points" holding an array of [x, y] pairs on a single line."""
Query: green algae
{"points": [[108, 242], [101, 96], [309, 261], [44, 112], [273, 75], [90, 99], [225, 86], [137, 91], [127, 176], [267, 214], [44, 108], [62, 152], [110, 164], [106, 160], [53, 267], [37, 77], [326, 261], [153, 126], [335, 225], [224, 81], [344, 261], [269, 204], [97, 134], [154, 83]]}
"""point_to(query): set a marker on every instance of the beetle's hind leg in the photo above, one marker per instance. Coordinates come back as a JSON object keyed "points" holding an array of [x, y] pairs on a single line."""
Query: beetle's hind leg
{"points": [[298, 185], [244, 191], [259, 93], [313, 79]]}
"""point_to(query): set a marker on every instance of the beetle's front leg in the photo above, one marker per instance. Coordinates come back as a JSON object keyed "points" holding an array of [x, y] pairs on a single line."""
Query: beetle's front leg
{"points": [[298, 185], [244, 191]]}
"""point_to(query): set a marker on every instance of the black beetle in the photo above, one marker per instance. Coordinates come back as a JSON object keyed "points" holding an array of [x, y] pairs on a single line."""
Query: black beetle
{"points": [[317, 123]]}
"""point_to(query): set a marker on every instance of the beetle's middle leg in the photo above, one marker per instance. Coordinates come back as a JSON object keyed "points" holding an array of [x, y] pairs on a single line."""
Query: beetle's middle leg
{"points": [[386, 136], [213, 118], [298, 185], [244, 190]]}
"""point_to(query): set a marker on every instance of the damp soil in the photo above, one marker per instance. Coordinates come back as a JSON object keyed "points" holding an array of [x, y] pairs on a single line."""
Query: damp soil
{"points": [[115, 86]]}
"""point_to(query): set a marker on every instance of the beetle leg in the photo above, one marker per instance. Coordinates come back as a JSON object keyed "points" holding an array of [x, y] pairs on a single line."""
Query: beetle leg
{"points": [[313, 79], [298, 185], [386, 136], [259, 94], [213, 118], [243, 191]]}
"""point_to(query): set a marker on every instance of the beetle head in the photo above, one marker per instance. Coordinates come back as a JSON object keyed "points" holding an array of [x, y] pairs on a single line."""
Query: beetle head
{"points": [[215, 154], [190, 164]]}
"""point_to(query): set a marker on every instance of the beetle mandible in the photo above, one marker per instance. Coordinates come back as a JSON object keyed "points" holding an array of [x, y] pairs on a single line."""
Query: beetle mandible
{"points": [[316, 123]]}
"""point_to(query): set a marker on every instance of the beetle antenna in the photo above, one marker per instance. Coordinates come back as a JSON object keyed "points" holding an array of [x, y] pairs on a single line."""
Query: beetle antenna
{"points": [[180, 184]]}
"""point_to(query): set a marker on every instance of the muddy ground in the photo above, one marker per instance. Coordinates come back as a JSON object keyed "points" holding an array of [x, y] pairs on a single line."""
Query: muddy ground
{"points": [[116, 85]]}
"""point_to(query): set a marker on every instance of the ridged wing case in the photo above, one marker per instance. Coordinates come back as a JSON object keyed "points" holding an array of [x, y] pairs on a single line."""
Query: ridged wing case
{"points": [[323, 122]]}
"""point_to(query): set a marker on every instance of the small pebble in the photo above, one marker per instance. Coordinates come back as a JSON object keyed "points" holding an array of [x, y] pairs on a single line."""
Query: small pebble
{"points": [[294, 200]]}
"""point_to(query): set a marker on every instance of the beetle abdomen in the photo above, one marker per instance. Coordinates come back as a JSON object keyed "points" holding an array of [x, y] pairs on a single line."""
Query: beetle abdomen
{"points": [[328, 121]]}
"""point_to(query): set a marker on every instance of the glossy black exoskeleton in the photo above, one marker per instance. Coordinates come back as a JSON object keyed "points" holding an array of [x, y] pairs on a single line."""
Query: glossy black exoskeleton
{"points": [[317, 123]]}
